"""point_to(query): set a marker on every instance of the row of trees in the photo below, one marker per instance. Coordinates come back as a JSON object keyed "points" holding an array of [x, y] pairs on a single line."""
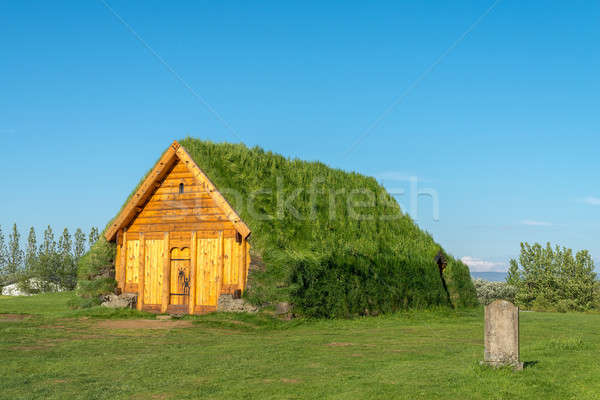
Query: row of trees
{"points": [[51, 261], [548, 278]]}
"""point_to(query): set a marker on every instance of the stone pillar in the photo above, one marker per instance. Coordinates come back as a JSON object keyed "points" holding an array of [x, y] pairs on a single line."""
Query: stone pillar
{"points": [[502, 334]]}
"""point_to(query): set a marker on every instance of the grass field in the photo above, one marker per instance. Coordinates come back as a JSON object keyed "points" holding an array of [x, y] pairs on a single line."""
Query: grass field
{"points": [[50, 352]]}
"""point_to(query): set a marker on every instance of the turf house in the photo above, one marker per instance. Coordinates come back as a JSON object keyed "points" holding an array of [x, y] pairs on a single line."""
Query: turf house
{"points": [[179, 242], [212, 219]]}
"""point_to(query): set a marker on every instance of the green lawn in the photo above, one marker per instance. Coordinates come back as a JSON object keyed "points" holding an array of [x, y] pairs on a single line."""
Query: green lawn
{"points": [[55, 353]]}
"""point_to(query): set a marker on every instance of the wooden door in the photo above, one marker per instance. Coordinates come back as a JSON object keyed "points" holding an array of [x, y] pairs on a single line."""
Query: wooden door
{"points": [[208, 275], [154, 256], [180, 277]]}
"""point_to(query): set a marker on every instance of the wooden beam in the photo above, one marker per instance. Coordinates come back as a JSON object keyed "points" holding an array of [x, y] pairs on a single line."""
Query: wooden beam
{"points": [[193, 269], [166, 288], [123, 262], [161, 168], [242, 264], [220, 264], [141, 272]]}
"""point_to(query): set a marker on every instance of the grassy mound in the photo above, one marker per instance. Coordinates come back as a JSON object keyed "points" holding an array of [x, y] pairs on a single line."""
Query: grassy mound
{"points": [[334, 243]]}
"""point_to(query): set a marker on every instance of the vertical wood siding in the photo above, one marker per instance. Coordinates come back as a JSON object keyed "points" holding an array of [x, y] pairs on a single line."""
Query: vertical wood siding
{"points": [[206, 275], [133, 261], [119, 266], [153, 279]]}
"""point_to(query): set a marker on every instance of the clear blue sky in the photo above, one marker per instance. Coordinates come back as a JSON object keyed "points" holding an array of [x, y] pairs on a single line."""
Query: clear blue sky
{"points": [[504, 127]]}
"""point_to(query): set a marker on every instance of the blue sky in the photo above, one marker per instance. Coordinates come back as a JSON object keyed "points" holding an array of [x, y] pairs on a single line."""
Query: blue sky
{"points": [[496, 105]]}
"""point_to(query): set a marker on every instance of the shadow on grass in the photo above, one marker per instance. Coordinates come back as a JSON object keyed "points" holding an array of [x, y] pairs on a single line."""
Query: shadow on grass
{"points": [[530, 364]]}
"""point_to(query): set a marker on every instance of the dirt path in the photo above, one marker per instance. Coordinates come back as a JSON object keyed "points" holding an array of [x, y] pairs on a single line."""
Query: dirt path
{"points": [[13, 317], [143, 324]]}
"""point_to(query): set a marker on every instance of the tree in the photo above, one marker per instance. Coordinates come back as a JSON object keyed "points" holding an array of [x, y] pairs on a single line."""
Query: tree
{"points": [[94, 236], [65, 244], [48, 245], [31, 254], [79, 249], [48, 268], [553, 278], [513, 275], [68, 268], [3, 253], [15, 254]]}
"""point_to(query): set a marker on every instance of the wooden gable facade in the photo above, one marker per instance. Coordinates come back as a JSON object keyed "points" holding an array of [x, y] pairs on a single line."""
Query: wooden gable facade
{"points": [[180, 245]]}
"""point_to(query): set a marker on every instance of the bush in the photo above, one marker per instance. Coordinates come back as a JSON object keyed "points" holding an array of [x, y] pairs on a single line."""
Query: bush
{"points": [[96, 274], [345, 283], [459, 284], [99, 261], [488, 291], [554, 279]]}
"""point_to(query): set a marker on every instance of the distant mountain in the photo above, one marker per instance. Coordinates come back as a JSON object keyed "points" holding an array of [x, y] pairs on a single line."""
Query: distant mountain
{"points": [[489, 276]]}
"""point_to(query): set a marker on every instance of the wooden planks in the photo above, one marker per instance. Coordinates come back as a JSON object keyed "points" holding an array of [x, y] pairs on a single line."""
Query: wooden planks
{"points": [[180, 204], [244, 262], [131, 288], [219, 265], [174, 189], [166, 273], [204, 309], [229, 266], [160, 191], [153, 273], [180, 211], [185, 196], [132, 265], [163, 166], [119, 264], [122, 257], [180, 219], [182, 227], [169, 211], [193, 272], [207, 272], [141, 259]]}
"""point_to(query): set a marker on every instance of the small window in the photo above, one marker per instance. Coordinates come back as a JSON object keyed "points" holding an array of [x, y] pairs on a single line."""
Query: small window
{"points": [[180, 188]]}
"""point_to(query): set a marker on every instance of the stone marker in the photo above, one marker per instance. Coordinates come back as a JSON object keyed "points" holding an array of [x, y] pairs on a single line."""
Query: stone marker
{"points": [[502, 334], [125, 300]]}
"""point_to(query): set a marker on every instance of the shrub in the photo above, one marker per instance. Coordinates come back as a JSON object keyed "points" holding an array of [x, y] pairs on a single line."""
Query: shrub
{"points": [[345, 283], [460, 286], [99, 261], [554, 279], [96, 274], [488, 291]]}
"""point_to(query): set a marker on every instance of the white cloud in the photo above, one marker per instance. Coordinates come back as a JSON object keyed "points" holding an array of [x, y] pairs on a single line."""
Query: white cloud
{"points": [[530, 222], [479, 265], [395, 176], [399, 176], [591, 200]]}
